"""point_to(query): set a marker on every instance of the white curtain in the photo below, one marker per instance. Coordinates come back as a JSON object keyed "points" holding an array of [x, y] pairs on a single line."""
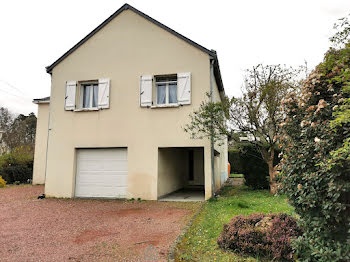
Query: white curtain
{"points": [[86, 98], [161, 94], [172, 93], [95, 96]]}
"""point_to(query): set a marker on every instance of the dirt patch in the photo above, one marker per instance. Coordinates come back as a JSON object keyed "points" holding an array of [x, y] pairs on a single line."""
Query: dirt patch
{"points": [[86, 230], [90, 235]]}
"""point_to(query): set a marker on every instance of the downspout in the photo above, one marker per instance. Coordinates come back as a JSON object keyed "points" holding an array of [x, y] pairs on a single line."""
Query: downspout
{"points": [[212, 138], [48, 131]]}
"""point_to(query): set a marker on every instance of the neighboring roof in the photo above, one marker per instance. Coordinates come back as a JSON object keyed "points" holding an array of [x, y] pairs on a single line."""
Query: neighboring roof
{"points": [[43, 100], [212, 53]]}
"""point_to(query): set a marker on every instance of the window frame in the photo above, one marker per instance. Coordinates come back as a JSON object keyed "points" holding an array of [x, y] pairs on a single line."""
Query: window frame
{"points": [[167, 83], [83, 84]]}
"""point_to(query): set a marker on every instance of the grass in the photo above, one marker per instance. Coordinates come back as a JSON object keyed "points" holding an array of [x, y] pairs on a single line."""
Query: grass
{"points": [[199, 242], [236, 175]]}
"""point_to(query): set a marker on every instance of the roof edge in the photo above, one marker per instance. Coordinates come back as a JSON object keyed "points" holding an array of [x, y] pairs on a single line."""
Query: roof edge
{"points": [[217, 74], [44, 100], [123, 8]]}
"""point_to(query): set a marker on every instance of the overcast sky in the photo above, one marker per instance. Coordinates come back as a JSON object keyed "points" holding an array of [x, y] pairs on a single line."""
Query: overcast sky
{"points": [[244, 33]]}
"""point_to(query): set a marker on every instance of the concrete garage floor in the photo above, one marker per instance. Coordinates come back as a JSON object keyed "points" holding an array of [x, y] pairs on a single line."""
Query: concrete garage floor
{"points": [[184, 195]]}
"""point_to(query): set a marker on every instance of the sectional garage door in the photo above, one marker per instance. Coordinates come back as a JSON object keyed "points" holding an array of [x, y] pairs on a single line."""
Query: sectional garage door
{"points": [[101, 173]]}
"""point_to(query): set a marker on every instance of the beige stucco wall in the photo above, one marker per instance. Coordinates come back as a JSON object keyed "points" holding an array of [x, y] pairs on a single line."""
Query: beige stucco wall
{"points": [[220, 163], [173, 169], [41, 144], [198, 169], [172, 163], [126, 48]]}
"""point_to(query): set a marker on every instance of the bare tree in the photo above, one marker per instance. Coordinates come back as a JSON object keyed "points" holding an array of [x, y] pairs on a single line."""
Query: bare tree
{"points": [[258, 112]]}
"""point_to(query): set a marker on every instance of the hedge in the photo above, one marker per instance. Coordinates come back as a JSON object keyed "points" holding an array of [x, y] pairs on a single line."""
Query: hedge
{"points": [[247, 160], [17, 165]]}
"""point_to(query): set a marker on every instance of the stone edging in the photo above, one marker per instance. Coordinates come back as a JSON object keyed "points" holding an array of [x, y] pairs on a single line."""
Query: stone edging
{"points": [[171, 253]]}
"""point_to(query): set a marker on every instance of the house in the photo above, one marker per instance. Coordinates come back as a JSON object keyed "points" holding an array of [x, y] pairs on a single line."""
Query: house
{"points": [[249, 137], [113, 125]]}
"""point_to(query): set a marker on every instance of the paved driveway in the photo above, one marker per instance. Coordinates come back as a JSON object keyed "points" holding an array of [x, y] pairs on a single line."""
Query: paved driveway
{"points": [[86, 230]]}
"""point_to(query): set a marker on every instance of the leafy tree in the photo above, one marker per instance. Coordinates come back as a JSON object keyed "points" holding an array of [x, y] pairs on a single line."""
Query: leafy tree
{"points": [[22, 131], [6, 119], [18, 131], [316, 163], [209, 121]]}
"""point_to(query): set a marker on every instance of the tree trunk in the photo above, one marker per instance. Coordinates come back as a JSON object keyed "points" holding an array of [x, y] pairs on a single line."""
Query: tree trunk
{"points": [[272, 171], [271, 174], [268, 156]]}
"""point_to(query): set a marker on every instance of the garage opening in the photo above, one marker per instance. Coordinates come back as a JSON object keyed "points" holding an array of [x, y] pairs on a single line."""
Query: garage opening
{"points": [[101, 172], [181, 174]]}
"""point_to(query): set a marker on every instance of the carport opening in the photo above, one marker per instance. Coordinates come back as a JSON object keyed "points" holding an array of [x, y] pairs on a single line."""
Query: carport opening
{"points": [[181, 174]]}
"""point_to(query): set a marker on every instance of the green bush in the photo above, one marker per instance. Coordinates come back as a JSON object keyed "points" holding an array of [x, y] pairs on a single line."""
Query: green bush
{"points": [[315, 165], [235, 161], [255, 170], [17, 165], [19, 173], [247, 160]]}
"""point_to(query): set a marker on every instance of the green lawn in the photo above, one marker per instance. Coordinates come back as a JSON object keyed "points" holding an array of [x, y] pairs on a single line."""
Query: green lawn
{"points": [[237, 175], [199, 243]]}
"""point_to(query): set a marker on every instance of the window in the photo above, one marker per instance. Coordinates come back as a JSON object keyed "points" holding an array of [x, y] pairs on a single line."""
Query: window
{"points": [[89, 95], [166, 87]]}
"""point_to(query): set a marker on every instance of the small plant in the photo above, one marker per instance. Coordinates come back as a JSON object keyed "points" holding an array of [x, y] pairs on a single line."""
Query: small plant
{"points": [[2, 182], [17, 182], [261, 235]]}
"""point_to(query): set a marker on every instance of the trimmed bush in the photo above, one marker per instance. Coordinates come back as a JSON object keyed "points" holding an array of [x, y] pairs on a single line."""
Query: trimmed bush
{"points": [[17, 165], [247, 160], [255, 170], [2, 182], [262, 235], [19, 173], [235, 161]]}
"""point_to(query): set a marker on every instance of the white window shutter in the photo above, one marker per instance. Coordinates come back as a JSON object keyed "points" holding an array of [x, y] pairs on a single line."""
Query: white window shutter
{"points": [[103, 93], [71, 88], [184, 88], [146, 91]]}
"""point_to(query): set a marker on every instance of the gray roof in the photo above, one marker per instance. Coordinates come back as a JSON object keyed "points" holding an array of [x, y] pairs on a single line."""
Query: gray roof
{"points": [[41, 100], [211, 53]]}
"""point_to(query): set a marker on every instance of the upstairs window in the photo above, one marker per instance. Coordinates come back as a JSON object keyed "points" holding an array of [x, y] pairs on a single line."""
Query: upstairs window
{"points": [[89, 93], [166, 87], [170, 90]]}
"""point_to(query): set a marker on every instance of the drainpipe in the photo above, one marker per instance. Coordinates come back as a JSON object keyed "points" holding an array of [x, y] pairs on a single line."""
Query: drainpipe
{"points": [[48, 132], [212, 139]]}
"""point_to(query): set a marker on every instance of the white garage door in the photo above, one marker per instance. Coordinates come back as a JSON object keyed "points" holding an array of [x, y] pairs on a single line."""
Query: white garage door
{"points": [[101, 173]]}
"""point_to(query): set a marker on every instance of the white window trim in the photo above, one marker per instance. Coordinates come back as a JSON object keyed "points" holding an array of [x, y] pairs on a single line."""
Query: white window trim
{"points": [[167, 104], [81, 96]]}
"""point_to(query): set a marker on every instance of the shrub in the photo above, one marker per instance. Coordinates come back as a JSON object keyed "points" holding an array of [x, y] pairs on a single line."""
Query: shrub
{"points": [[17, 165], [235, 161], [2, 182], [19, 173], [316, 164], [255, 169], [261, 235], [246, 159]]}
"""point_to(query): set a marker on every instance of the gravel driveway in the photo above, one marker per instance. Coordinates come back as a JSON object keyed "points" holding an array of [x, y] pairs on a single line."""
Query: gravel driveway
{"points": [[86, 230]]}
